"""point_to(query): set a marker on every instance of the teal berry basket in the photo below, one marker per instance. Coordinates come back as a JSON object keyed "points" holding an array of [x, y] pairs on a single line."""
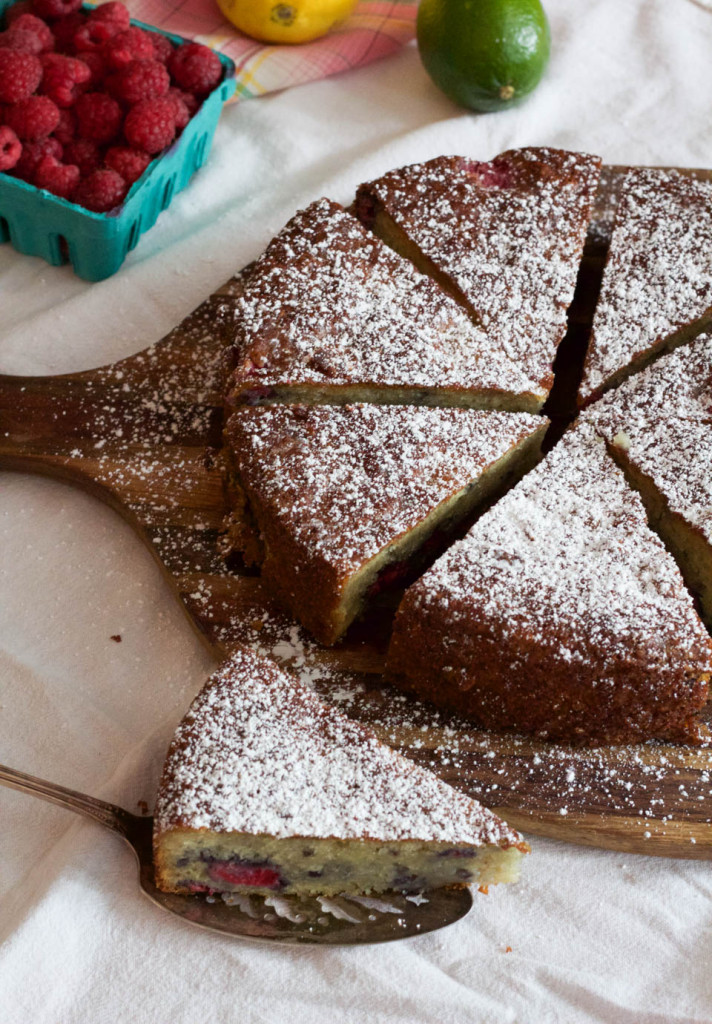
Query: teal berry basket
{"points": [[38, 223]]}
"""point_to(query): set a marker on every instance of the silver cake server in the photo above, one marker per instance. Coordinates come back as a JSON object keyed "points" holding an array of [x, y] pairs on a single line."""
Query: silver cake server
{"points": [[292, 920]]}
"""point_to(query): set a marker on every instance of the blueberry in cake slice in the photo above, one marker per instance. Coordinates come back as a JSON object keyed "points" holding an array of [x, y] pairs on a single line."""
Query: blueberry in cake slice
{"points": [[658, 426], [657, 282], [505, 238], [336, 502], [331, 314], [266, 789], [560, 614]]}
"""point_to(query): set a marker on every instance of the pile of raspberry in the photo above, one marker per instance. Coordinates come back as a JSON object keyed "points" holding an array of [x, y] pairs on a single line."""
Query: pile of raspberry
{"points": [[87, 100]]}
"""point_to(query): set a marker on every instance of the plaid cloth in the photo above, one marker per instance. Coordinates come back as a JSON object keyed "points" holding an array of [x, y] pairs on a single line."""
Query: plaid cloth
{"points": [[375, 29]]}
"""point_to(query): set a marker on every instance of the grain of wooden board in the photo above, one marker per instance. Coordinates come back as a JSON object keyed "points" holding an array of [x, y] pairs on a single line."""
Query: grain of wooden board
{"points": [[143, 434]]}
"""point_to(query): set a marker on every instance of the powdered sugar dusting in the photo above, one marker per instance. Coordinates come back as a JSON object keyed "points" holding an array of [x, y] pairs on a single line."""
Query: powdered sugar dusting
{"points": [[344, 481], [330, 304], [663, 418], [568, 557], [258, 753], [658, 277], [509, 235]]}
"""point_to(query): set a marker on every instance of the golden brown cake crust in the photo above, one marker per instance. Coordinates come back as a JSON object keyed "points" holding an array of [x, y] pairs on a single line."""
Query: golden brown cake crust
{"points": [[657, 283], [259, 753], [329, 488], [328, 308], [561, 614], [505, 237]]}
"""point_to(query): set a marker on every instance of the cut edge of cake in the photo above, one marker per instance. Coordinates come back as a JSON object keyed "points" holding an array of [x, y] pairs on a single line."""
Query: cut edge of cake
{"points": [[381, 332], [327, 598], [485, 399], [376, 207], [638, 217], [687, 544], [648, 357], [674, 393], [266, 789], [445, 635]]}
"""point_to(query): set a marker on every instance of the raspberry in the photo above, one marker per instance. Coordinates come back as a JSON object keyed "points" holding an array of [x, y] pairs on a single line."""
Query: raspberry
{"points": [[195, 68], [66, 130], [34, 118], [10, 148], [84, 153], [65, 29], [150, 125], [55, 8], [131, 44], [93, 34], [181, 112], [98, 117], [162, 46], [129, 163], [101, 191], [113, 11], [95, 62], [62, 78], [139, 80], [188, 100], [58, 178], [20, 74], [28, 23], [23, 42], [32, 153]]}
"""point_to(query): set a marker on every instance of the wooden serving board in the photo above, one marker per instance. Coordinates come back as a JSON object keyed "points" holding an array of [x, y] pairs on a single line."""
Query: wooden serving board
{"points": [[143, 434]]}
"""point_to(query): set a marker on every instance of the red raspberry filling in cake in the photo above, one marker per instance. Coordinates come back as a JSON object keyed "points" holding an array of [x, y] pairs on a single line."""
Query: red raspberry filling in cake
{"points": [[495, 174], [245, 875]]}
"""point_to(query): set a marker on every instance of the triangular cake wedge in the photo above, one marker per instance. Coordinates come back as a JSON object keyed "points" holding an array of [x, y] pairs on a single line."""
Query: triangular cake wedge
{"points": [[331, 314], [658, 426], [335, 502], [561, 614], [266, 789], [657, 282], [505, 238]]}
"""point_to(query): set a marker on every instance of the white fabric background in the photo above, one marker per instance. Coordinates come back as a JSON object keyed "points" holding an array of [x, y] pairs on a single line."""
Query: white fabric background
{"points": [[595, 936]]}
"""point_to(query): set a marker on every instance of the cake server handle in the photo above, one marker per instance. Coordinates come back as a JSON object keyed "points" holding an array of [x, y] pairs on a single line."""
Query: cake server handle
{"points": [[113, 817]]}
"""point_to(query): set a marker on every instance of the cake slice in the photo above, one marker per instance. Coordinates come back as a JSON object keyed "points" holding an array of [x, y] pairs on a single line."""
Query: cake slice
{"points": [[657, 283], [336, 502], [561, 614], [505, 238], [331, 314], [658, 426], [268, 790]]}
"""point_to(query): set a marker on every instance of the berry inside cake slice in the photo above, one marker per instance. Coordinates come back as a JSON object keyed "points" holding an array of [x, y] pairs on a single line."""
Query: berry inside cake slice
{"points": [[505, 238], [560, 614], [331, 314], [266, 789], [658, 426], [337, 502], [657, 283]]}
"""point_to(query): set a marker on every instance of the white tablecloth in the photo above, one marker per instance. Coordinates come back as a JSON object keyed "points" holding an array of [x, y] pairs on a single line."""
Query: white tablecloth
{"points": [[594, 936]]}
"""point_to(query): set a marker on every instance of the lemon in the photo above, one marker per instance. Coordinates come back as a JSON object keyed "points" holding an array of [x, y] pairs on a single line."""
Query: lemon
{"points": [[296, 22], [484, 54]]}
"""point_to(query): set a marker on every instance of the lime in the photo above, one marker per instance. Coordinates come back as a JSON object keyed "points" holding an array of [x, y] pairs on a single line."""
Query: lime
{"points": [[484, 54]]}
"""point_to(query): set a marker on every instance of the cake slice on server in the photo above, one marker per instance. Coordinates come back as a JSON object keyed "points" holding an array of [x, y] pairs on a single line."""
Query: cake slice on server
{"points": [[266, 789], [331, 314], [657, 282], [335, 502], [658, 426], [560, 614], [505, 238]]}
